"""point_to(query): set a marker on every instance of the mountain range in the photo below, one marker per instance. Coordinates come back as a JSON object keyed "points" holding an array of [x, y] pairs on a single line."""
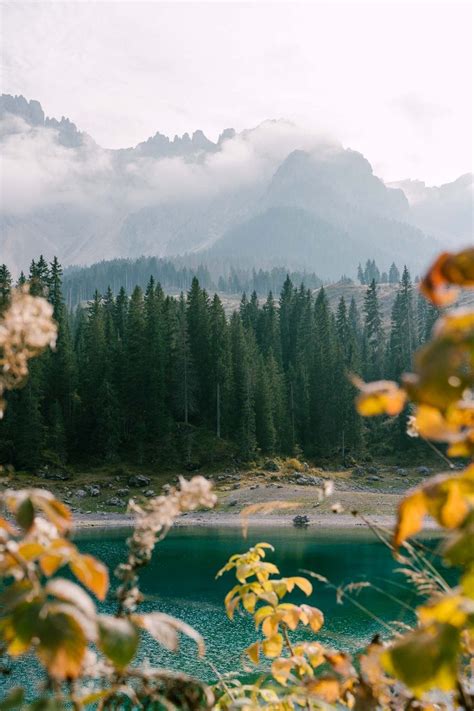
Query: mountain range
{"points": [[269, 196]]}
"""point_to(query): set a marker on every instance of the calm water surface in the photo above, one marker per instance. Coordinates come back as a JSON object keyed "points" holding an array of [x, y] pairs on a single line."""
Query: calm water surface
{"points": [[181, 581]]}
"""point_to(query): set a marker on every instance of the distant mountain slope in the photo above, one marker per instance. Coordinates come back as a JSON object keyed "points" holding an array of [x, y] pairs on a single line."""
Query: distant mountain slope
{"points": [[269, 195], [446, 211], [286, 235]]}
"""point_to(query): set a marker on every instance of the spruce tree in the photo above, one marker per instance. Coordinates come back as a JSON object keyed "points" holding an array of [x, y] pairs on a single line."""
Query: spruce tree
{"points": [[264, 425], [373, 335], [393, 274], [5, 286], [220, 367], [184, 379], [243, 389]]}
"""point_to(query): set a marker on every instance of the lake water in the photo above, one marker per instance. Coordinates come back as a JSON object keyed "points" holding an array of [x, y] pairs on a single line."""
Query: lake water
{"points": [[180, 581]]}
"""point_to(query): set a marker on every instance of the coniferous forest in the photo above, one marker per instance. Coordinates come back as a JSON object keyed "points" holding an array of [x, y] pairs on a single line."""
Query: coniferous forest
{"points": [[136, 378]]}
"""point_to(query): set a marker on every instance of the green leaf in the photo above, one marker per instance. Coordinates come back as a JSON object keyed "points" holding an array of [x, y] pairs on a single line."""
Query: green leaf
{"points": [[63, 635], [426, 658], [24, 624], [45, 705], [118, 639], [25, 514], [458, 549], [13, 699]]}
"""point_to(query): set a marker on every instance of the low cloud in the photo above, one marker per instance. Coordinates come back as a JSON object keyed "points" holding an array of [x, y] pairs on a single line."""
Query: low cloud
{"points": [[38, 172]]}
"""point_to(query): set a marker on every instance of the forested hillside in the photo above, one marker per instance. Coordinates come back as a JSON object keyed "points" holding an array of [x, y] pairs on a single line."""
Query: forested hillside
{"points": [[175, 275], [132, 375]]}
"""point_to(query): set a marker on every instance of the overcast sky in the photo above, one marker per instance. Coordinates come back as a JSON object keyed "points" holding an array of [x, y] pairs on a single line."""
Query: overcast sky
{"points": [[390, 79]]}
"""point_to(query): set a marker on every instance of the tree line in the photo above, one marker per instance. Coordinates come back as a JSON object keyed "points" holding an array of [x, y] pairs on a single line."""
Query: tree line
{"points": [[132, 375], [80, 283]]}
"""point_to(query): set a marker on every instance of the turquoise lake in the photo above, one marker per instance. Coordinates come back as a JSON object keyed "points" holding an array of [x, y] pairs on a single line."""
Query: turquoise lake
{"points": [[181, 581]]}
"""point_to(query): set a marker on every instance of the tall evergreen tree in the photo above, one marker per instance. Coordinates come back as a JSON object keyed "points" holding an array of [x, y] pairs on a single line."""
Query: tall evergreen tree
{"points": [[373, 335], [243, 389]]}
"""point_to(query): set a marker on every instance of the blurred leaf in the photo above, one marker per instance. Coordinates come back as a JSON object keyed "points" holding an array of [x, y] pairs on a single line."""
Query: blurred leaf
{"points": [[118, 639], [426, 658], [46, 704], [411, 512], [459, 547], [25, 514], [57, 512], [165, 629], [58, 553], [7, 526], [382, 397], [70, 592], [324, 687], [450, 608], [444, 367], [92, 573], [22, 625], [449, 269], [13, 699], [63, 634], [281, 669], [447, 498]]}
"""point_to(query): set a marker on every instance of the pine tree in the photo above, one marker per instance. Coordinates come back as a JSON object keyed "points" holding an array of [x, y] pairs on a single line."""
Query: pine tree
{"points": [[373, 335], [393, 274], [184, 380], [198, 331], [5, 286], [136, 386], [287, 298], [155, 362], [404, 337], [60, 366], [243, 389], [264, 425], [220, 366], [268, 331]]}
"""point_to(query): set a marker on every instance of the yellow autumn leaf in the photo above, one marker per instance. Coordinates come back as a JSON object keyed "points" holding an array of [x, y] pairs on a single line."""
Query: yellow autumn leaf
{"points": [[92, 573], [448, 272], [302, 583], [452, 609], [382, 397], [314, 617], [270, 625], [281, 670], [262, 613], [426, 658], [411, 512], [253, 652], [272, 646], [324, 687], [447, 498]]}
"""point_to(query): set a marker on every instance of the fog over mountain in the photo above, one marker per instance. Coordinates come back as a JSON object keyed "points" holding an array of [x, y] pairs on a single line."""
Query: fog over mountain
{"points": [[271, 195]]}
